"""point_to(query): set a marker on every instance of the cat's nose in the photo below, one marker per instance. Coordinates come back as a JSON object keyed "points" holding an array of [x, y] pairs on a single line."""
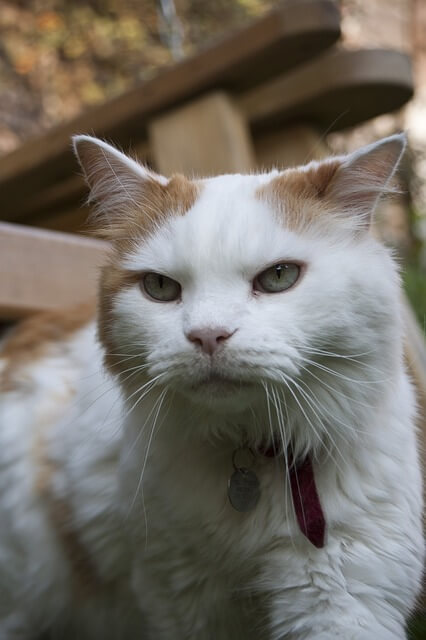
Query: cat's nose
{"points": [[209, 339]]}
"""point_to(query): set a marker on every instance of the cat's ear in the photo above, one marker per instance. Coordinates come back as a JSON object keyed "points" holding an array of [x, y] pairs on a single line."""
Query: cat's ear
{"points": [[118, 185], [363, 176]]}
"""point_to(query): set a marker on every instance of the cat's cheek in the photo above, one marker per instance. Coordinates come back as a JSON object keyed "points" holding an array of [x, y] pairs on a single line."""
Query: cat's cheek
{"points": [[140, 322]]}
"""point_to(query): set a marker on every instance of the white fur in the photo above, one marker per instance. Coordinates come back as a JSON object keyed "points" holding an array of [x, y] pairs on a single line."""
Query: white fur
{"points": [[146, 475]]}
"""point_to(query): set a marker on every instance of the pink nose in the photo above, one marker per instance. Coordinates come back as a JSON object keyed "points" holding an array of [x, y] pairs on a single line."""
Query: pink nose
{"points": [[209, 339]]}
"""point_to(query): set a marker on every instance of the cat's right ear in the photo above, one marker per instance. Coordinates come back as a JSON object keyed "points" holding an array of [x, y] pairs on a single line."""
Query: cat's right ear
{"points": [[119, 186]]}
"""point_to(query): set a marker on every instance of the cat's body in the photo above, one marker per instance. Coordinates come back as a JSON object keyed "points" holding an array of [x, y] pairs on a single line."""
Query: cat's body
{"points": [[114, 515]]}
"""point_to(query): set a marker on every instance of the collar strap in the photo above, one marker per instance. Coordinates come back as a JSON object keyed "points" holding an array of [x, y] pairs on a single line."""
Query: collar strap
{"points": [[307, 505]]}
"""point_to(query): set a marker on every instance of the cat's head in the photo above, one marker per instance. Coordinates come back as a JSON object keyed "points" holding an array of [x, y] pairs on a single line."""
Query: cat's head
{"points": [[220, 286]]}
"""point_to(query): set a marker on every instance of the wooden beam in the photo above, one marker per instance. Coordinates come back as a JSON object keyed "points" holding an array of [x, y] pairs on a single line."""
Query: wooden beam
{"points": [[282, 39], [289, 146], [206, 137], [55, 197], [72, 220], [336, 90], [45, 269]]}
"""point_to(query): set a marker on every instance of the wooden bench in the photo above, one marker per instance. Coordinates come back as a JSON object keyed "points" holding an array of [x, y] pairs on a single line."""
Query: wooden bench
{"points": [[42, 270]]}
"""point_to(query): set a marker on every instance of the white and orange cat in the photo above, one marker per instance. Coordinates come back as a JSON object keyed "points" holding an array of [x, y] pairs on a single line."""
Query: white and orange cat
{"points": [[228, 451]]}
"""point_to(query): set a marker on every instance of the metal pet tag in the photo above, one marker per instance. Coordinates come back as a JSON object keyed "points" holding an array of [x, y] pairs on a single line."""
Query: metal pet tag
{"points": [[243, 489]]}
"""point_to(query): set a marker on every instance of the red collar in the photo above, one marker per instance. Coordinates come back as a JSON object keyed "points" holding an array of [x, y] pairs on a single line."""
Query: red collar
{"points": [[307, 505]]}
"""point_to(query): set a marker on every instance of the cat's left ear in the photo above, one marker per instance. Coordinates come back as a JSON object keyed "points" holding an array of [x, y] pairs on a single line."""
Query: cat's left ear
{"points": [[363, 176], [118, 185]]}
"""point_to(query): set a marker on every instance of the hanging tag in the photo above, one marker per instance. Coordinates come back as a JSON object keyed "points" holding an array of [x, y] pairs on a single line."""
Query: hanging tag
{"points": [[243, 485], [243, 489]]}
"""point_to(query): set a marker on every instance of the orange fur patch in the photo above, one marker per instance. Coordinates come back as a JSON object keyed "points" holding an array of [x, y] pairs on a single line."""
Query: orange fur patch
{"points": [[300, 197], [151, 205], [113, 280], [29, 341], [175, 198], [31, 338], [157, 204], [128, 202], [86, 580]]}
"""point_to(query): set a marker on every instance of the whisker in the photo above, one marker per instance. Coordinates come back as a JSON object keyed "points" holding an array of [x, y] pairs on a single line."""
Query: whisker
{"points": [[285, 445], [157, 408], [314, 406], [341, 375], [348, 356], [326, 431], [336, 391], [340, 356], [130, 375], [150, 382], [137, 369], [286, 383], [322, 407]]}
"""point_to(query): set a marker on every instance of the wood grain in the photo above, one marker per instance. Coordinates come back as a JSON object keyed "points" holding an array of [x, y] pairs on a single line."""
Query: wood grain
{"points": [[282, 39], [336, 90], [206, 137], [46, 270], [289, 146]]}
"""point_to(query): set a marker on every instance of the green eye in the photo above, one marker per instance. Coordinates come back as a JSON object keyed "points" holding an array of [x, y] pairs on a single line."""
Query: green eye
{"points": [[161, 287], [278, 278]]}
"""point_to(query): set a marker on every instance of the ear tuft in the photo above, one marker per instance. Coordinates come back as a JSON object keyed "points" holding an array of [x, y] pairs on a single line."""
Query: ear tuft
{"points": [[118, 185], [364, 176]]}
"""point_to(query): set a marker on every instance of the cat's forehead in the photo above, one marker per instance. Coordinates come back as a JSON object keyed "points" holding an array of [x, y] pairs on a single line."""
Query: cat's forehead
{"points": [[230, 221], [227, 212], [228, 197], [233, 182]]}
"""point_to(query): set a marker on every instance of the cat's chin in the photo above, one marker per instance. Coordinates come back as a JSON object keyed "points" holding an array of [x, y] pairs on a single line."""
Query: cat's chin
{"points": [[220, 393]]}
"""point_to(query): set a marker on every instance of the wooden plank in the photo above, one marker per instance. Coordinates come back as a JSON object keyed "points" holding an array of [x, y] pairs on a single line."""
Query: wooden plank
{"points": [[57, 196], [72, 220], [337, 90], [289, 146], [206, 137], [293, 33], [46, 270]]}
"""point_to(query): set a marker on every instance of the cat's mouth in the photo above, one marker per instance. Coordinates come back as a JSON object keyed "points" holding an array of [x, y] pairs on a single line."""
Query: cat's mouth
{"points": [[222, 392], [217, 382]]}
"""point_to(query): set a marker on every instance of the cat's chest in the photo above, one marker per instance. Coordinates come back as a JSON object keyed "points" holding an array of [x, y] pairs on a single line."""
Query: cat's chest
{"points": [[184, 496]]}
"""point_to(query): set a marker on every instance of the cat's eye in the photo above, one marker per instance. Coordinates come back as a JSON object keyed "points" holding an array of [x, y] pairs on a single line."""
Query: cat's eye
{"points": [[278, 278], [160, 287]]}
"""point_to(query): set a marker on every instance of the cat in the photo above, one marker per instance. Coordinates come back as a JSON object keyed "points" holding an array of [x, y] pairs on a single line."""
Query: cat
{"points": [[228, 450]]}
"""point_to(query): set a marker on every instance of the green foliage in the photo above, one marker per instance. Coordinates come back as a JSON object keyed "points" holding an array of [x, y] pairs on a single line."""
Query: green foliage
{"points": [[415, 286], [417, 627]]}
